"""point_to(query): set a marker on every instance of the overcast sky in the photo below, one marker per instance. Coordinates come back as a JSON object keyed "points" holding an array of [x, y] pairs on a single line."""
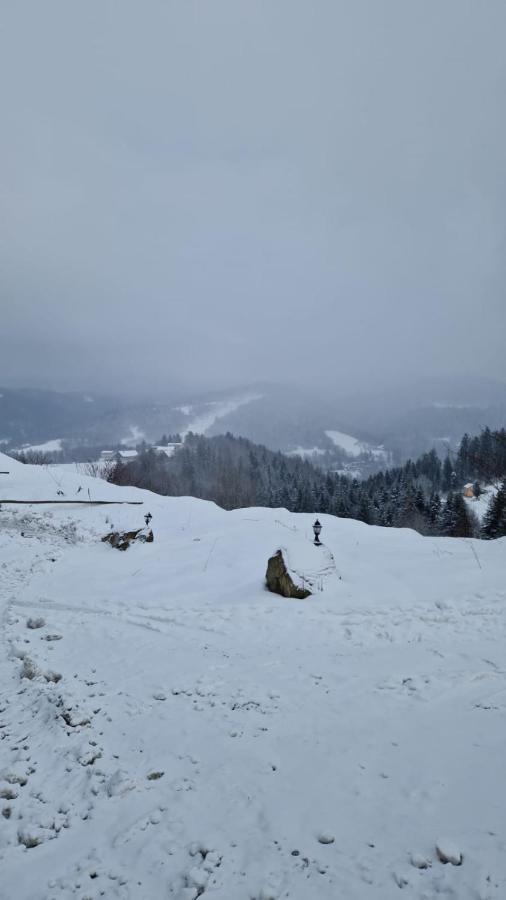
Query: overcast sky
{"points": [[223, 191]]}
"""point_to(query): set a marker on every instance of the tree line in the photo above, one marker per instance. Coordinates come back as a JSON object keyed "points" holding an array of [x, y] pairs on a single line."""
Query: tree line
{"points": [[425, 494]]}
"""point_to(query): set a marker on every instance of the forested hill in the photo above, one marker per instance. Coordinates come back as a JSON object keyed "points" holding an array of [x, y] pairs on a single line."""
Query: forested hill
{"points": [[424, 495]]}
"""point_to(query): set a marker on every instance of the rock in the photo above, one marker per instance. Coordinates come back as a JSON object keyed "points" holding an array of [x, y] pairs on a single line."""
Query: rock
{"points": [[279, 581], [35, 623], [419, 861], [447, 852], [121, 540]]}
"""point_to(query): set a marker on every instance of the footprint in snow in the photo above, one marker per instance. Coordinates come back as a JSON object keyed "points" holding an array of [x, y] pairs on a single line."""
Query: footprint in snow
{"points": [[201, 875]]}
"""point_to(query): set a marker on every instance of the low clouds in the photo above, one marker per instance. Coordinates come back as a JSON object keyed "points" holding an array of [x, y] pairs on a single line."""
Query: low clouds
{"points": [[223, 192]]}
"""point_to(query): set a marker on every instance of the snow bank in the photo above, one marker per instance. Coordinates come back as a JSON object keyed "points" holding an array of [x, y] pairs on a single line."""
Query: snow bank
{"points": [[62, 483]]}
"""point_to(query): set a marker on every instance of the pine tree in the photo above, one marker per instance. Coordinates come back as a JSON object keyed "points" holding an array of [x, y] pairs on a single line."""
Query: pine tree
{"points": [[462, 525], [447, 475], [494, 522], [434, 507], [446, 521]]}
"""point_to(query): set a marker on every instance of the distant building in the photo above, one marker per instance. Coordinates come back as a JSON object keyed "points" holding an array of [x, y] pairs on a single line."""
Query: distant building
{"points": [[118, 455], [129, 455], [469, 490], [168, 449]]}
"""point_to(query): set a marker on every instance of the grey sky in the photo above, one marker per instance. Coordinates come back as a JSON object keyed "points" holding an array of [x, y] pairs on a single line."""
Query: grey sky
{"points": [[219, 192]]}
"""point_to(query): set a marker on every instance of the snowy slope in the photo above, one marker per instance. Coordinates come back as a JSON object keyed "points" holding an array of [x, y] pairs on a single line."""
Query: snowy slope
{"points": [[53, 446], [352, 446], [479, 505], [203, 421], [186, 733]]}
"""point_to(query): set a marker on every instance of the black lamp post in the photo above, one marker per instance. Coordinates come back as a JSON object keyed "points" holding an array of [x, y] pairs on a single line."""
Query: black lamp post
{"points": [[317, 529]]}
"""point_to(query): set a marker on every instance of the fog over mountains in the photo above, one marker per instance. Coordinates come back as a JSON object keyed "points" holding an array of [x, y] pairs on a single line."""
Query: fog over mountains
{"points": [[405, 420]]}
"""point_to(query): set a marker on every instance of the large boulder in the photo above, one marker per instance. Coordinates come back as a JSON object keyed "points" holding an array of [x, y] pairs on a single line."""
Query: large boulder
{"points": [[279, 580]]}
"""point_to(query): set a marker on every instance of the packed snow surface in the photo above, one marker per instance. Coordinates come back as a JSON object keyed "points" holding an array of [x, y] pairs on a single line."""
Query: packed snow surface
{"points": [[170, 729]]}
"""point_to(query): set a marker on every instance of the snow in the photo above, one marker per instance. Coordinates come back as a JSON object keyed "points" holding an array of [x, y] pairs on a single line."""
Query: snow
{"points": [[217, 409], [353, 447], [479, 505], [346, 442], [168, 728], [53, 446]]}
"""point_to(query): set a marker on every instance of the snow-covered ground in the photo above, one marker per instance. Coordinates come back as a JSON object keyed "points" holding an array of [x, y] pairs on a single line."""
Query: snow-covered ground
{"points": [[217, 409], [169, 729], [53, 446], [479, 505], [353, 447]]}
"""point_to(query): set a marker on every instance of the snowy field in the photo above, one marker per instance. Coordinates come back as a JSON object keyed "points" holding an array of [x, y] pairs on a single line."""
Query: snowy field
{"points": [[169, 729], [353, 447], [48, 447]]}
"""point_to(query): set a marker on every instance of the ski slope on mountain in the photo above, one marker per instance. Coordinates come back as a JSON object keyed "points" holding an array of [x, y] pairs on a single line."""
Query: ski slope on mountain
{"points": [[202, 421], [170, 729], [353, 447]]}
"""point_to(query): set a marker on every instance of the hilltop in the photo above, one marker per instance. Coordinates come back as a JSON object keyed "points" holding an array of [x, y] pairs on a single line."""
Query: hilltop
{"points": [[171, 729]]}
